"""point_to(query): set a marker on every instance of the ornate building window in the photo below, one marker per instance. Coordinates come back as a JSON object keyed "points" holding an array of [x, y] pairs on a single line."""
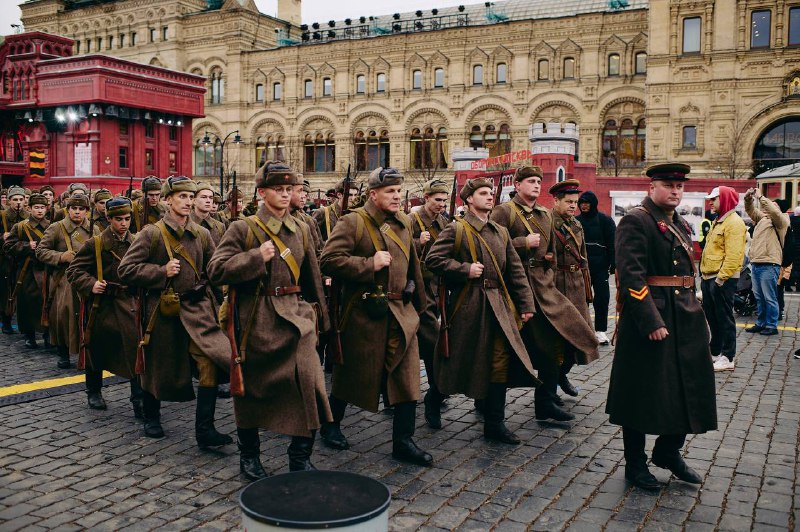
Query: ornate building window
{"points": [[121, 41], [88, 46], [380, 83], [361, 84], [327, 87], [689, 138], [502, 73], [269, 148], [259, 92], [133, 38], [477, 75], [543, 69], [10, 147], [691, 35], [320, 153], [277, 91], [207, 158], [569, 68], [640, 63], [613, 65], [794, 26], [438, 78], [217, 87], [428, 149], [308, 88], [152, 32], [416, 80], [623, 144], [77, 47], [777, 145], [498, 143], [371, 149], [110, 44], [760, 26], [100, 49]]}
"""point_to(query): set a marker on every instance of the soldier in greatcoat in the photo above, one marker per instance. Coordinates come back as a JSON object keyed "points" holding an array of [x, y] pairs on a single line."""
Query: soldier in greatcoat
{"points": [[13, 213], [427, 223], [61, 242], [488, 294], [571, 265], [371, 252], [299, 197], [148, 209], [270, 264], [327, 216], [74, 189], [28, 290], [49, 193], [108, 322], [201, 212], [99, 218], [557, 324], [167, 260], [662, 379]]}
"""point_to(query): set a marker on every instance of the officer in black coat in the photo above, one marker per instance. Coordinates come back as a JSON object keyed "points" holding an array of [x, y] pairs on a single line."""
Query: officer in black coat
{"points": [[662, 379]]}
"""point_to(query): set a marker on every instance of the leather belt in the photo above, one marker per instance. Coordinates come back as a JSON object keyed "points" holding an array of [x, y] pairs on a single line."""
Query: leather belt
{"points": [[394, 296], [538, 263], [488, 283], [279, 291], [572, 268], [685, 281]]}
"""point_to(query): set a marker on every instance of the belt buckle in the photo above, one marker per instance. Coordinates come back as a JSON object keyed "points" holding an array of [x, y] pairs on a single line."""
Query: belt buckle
{"points": [[573, 268], [688, 282], [277, 291]]}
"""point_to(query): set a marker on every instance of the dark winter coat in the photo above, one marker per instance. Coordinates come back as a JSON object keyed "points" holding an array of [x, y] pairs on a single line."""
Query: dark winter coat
{"points": [[599, 230]]}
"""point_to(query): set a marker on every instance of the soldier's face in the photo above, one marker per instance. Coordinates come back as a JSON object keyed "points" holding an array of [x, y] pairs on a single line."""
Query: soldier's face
{"points": [[239, 205], [482, 200], [529, 188], [666, 194], [567, 205], [386, 199], [120, 224], [214, 207], [298, 199], [49, 195], [181, 202], [100, 206], [77, 214], [16, 202], [153, 196], [38, 211], [436, 203], [204, 201], [277, 197]]}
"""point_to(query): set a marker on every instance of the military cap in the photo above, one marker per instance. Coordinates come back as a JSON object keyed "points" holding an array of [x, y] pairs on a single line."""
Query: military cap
{"points": [[45, 188], [435, 186], [472, 185], [15, 191], [37, 199], [102, 194], [384, 177], [77, 186], [568, 186], [136, 194], [217, 198], [202, 185], [275, 173], [234, 193], [118, 206], [178, 183], [668, 172], [28, 191], [151, 183], [527, 171], [78, 200], [331, 192], [307, 186]]}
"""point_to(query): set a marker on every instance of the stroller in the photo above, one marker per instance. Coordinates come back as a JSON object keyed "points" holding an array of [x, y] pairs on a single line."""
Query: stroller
{"points": [[744, 301]]}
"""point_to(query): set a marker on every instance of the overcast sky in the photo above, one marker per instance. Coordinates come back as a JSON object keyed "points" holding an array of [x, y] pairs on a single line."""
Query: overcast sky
{"points": [[313, 10]]}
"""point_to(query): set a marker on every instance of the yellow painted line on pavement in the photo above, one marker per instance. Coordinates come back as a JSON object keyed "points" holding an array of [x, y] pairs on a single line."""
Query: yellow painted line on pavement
{"points": [[17, 389], [780, 327]]}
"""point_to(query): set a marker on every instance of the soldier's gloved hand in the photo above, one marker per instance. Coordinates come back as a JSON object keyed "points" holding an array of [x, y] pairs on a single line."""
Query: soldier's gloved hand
{"points": [[659, 334], [533, 240], [99, 287], [525, 316], [424, 237], [67, 256], [475, 270], [381, 260], [267, 250], [173, 268], [33, 244]]}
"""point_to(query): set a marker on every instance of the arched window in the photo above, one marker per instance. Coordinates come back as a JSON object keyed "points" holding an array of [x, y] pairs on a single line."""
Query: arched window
{"points": [[623, 144], [438, 78], [308, 88], [641, 63], [259, 92], [372, 149], [569, 68], [269, 148], [498, 142], [361, 84], [561, 175], [217, 87], [327, 87], [207, 158], [320, 153], [777, 145], [502, 73], [477, 75], [429, 149], [380, 83], [277, 91], [613, 65], [543, 70], [416, 79]]}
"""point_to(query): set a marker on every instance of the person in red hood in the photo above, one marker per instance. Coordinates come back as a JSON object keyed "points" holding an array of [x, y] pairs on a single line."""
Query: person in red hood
{"points": [[720, 264]]}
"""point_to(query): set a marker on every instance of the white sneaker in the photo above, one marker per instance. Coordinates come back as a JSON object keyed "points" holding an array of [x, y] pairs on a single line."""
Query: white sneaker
{"points": [[601, 337], [723, 364], [714, 358]]}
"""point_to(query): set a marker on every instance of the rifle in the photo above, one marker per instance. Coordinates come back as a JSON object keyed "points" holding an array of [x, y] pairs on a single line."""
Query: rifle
{"points": [[234, 199], [335, 340], [406, 208], [130, 188], [237, 377], [451, 211], [443, 344]]}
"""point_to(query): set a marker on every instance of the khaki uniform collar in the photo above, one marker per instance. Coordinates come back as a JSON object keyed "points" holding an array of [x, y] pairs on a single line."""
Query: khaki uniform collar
{"points": [[191, 227], [274, 223], [525, 208], [377, 214], [474, 221], [438, 220], [42, 224], [70, 226]]}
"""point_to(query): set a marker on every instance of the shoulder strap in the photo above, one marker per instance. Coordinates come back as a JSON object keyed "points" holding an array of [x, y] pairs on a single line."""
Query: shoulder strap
{"points": [[459, 237], [419, 221], [286, 254], [373, 235], [327, 221], [515, 209], [173, 245], [98, 249], [67, 238], [473, 252], [385, 229]]}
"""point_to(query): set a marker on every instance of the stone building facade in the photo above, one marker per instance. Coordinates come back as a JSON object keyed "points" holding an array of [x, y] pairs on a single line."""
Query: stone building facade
{"points": [[646, 81]]}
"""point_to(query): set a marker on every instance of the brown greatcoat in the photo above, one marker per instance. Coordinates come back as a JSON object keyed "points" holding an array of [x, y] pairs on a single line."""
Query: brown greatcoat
{"points": [[551, 305], [483, 312], [214, 226], [30, 295], [326, 218], [8, 217], [113, 337], [570, 283], [168, 368], [316, 236], [347, 256], [64, 306], [283, 379], [154, 214], [667, 386]]}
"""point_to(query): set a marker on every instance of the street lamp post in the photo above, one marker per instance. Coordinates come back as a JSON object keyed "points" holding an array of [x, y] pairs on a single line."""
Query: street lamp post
{"points": [[237, 139]]}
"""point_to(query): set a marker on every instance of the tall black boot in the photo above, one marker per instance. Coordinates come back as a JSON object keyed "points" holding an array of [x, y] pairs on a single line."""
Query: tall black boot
{"points": [[403, 446], [545, 404], [94, 386], [7, 328], [667, 455], [331, 433], [152, 415], [250, 454], [63, 357], [636, 471], [494, 427], [300, 453], [563, 381], [433, 408], [204, 431], [136, 398]]}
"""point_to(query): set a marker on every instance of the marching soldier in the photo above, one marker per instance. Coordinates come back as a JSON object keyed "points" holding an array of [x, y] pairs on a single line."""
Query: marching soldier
{"points": [[201, 212], [270, 264], [557, 324], [371, 253], [218, 210], [299, 197], [49, 193], [167, 260], [58, 247], [28, 290], [662, 379], [327, 216], [147, 210], [572, 267], [427, 223], [109, 335], [485, 353], [13, 213], [100, 220], [74, 189]]}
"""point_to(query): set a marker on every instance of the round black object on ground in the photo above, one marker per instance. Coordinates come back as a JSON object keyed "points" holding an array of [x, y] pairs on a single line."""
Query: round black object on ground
{"points": [[314, 499]]}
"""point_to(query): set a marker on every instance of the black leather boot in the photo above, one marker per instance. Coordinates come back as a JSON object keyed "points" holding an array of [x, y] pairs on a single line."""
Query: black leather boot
{"points": [[94, 385], [30, 341], [7, 328], [46, 339], [403, 446], [636, 471], [331, 433], [546, 407], [136, 398], [205, 432], [63, 358], [494, 427], [566, 386], [300, 453], [667, 455], [433, 409], [152, 416], [250, 454]]}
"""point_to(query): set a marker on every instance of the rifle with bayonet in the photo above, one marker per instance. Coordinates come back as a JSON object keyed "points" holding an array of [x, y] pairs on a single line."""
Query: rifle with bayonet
{"points": [[129, 194], [443, 344], [335, 339]]}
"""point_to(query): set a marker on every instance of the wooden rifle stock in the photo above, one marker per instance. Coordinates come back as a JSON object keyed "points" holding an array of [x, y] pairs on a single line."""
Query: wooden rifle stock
{"points": [[443, 345], [237, 377]]}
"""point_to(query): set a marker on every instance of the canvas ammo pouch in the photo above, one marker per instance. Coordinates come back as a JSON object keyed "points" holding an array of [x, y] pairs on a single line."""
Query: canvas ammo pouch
{"points": [[375, 304], [169, 304]]}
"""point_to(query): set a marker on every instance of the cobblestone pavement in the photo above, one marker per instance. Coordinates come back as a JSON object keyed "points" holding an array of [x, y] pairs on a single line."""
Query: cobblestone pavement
{"points": [[67, 467]]}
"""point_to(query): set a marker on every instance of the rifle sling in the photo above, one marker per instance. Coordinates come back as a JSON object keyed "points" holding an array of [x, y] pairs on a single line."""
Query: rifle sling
{"points": [[172, 245], [568, 247], [285, 253], [516, 208], [385, 229]]}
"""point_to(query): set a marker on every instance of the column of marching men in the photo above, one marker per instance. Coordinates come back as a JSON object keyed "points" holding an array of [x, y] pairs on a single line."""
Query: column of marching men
{"points": [[189, 298]]}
